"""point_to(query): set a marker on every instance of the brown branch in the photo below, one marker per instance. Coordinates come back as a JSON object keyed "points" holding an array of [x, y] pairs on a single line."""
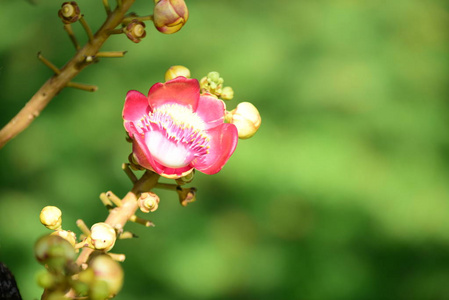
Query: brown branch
{"points": [[56, 83]]}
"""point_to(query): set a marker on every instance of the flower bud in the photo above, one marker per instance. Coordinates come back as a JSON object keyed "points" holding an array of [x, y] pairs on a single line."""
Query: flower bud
{"points": [[148, 202], [247, 119], [45, 279], [54, 251], [186, 195], [227, 93], [108, 270], [69, 12], [186, 179], [135, 31], [102, 236], [68, 235], [176, 71], [51, 217], [170, 15]]}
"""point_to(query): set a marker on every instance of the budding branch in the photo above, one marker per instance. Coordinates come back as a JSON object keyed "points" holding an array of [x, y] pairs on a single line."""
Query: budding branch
{"points": [[59, 81]]}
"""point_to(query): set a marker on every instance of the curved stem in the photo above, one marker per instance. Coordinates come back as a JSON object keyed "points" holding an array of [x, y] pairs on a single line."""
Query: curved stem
{"points": [[56, 83]]}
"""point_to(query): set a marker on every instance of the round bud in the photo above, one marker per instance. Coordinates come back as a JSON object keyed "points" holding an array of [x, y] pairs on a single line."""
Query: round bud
{"points": [[107, 270], [247, 119], [148, 202], [186, 178], [54, 251], [45, 279], [102, 236], [170, 15], [227, 93], [176, 71], [51, 217], [135, 31], [69, 12]]}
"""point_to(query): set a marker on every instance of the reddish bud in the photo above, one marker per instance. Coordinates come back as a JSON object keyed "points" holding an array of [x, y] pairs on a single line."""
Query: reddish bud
{"points": [[69, 12], [135, 31], [170, 15]]}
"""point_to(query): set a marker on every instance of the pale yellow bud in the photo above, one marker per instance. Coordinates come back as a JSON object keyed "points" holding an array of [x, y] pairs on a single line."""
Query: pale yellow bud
{"points": [[247, 119], [148, 202], [227, 93], [102, 236], [51, 217], [176, 71]]}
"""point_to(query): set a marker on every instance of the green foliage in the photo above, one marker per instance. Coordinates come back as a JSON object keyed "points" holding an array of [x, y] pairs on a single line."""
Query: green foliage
{"points": [[342, 194]]}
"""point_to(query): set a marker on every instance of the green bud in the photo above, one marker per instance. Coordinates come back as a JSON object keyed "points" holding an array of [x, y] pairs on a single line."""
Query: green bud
{"points": [[45, 279], [99, 290], [54, 251], [107, 270]]}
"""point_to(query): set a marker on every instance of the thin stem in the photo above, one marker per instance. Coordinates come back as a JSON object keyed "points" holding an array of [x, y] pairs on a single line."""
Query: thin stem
{"points": [[83, 227], [138, 220], [68, 29], [48, 64], [119, 3], [57, 82], [167, 186], [129, 173], [106, 6], [116, 200], [82, 86], [111, 54], [86, 28], [142, 19], [116, 31]]}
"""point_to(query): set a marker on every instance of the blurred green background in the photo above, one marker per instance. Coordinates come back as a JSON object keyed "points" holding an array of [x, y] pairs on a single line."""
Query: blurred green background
{"points": [[342, 194]]}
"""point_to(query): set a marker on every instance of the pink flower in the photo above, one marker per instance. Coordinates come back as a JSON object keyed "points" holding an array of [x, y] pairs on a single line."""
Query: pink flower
{"points": [[175, 129]]}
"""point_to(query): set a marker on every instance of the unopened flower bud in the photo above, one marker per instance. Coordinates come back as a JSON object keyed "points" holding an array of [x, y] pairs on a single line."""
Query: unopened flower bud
{"points": [[54, 251], [176, 71], [102, 236], [68, 235], [107, 270], [69, 12], [227, 93], [51, 217], [247, 119], [170, 15], [186, 195], [148, 202], [186, 179], [45, 279], [135, 31]]}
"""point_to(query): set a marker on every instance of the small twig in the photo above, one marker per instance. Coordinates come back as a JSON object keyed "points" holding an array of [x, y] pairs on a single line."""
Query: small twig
{"points": [[68, 29], [86, 28], [142, 19], [129, 172], [116, 31], [83, 227], [111, 54], [82, 86], [127, 235], [119, 3], [106, 201], [117, 257], [116, 200], [106, 6], [141, 221], [167, 186], [48, 63]]}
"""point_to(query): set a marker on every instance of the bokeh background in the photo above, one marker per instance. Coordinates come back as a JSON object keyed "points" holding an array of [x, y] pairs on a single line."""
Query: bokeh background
{"points": [[342, 194]]}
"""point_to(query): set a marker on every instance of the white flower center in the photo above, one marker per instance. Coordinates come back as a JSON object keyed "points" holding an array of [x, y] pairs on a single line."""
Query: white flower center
{"points": [[175, 135]]}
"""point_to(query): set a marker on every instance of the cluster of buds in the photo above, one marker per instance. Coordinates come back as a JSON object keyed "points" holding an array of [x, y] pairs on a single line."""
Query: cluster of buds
{"points": [[245, 116], [213, 84], [100, 279]]}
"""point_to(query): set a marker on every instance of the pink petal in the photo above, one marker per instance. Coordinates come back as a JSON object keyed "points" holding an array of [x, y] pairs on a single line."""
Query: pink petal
{"points": [[171, 172], [136, 105], [211, 111], [180, 90], [223, 141], [142, 153]]}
